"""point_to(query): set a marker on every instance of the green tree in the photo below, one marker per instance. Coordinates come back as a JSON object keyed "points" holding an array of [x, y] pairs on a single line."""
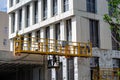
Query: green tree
{"points": [[113, 19]]}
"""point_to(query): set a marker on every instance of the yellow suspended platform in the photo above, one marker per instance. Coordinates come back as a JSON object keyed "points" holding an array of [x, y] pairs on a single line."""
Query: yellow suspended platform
{"points": [[33, 45]]}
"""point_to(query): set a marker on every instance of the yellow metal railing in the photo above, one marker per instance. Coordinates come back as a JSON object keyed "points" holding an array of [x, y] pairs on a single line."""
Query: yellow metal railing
{"points": [[43, 46], [107, 74]]}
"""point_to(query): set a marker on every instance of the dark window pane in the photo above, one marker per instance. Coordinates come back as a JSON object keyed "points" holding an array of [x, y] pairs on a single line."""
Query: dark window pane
{"points": [[28, 16], [20, 19], [55, 8], [91, 6], [94, 33], [44, 9], [68, 30], [70, 68], [36, 11], [65, 5]]}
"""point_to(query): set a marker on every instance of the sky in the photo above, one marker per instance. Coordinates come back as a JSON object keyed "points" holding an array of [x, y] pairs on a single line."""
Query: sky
{"points": [[3, 5]]}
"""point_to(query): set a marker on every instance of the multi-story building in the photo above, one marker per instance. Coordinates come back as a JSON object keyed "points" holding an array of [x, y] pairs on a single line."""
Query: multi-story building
{"points": [[4, 41], [70, 20]]}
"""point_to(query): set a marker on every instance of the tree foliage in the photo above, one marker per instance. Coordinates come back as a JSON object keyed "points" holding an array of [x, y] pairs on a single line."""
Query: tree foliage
{"points": [[113, 19]]}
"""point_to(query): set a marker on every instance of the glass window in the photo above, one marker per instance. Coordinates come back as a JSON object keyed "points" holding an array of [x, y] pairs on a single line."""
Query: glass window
{"points": [[4, 41], [57, 31], [36, 11], [44, 9], [38, 35], [47, 32], [65, 5], [94, 33], [11, 3], [91, 6], [13, 23], [29, 40], [115, 35], [70, 68], [68, 30], [20, 19], [17, 1], [28, 16], [94, 68], [116, 63], [55, 8], [6, 30]]}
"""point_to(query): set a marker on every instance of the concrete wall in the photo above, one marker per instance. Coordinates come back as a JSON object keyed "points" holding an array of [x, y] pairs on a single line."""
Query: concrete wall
{"points": [[105, 61], [4, 45]]}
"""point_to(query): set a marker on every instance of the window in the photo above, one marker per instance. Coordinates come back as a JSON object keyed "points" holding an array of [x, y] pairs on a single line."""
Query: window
{"points": [[29, 41], [4, 41], [5, 30], [57, 34], [36, 11], [115, 45], [55, 8], [20, 19], [11, 3], [44, 9], [94, 33], [47, 36], [38, 35], [57, 31], [116, 63], [94, 68], [68, 30], [116, 67], [28, 16], [91, 6], [65, 5], [70, 68], [17, 1], [13, 23], [94, 62], [47, 32]]}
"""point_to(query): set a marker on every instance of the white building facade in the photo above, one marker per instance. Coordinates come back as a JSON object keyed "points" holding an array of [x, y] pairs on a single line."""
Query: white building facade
{"points": [[71, 20]]}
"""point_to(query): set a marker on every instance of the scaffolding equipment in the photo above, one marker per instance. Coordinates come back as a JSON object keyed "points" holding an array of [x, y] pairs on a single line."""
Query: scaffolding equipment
{"points": [[42, 46]]}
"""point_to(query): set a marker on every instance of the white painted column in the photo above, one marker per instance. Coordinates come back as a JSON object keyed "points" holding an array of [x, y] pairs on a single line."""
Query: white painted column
{"points": [[11, 45], [42, 34], [40, 14], [51, 31], [62, 30], [14, 2], [74, 39], [8, 4], [23, 17], [32, 11], [60, 6], [52, 37], [74, 29], [71, 3], [63, 59], [10, 23], [49, 8], [16, 20]]}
